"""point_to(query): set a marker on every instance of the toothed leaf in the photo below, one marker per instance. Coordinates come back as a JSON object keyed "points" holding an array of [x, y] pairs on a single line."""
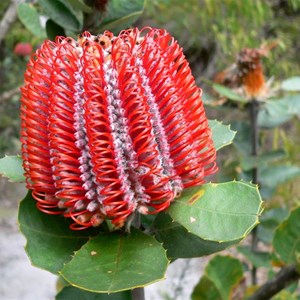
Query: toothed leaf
{"points": [[222, 134], [116, 262], [218, 212]]}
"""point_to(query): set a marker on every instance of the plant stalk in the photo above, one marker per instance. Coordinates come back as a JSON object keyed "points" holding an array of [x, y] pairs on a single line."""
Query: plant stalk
{"points": [[138, 293], [254, 109], [283, 279]]}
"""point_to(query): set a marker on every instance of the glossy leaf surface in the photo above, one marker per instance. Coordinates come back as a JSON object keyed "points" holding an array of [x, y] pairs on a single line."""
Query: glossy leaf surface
{"points": [[116, 261], [218, 212], [182, 244], [50, 242]]}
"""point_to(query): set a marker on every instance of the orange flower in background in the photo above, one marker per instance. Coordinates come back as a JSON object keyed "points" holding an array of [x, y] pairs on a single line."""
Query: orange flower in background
{"points": [[112, 125], [247, 72]]}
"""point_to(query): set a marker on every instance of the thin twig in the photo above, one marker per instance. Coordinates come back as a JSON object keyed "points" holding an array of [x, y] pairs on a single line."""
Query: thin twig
{"points": [[254, 109], [285, 277], [8, 94], [138, 293]]}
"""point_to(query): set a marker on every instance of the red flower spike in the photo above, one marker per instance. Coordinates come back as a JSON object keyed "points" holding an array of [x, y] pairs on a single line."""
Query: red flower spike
{"points": [[112, 125]]}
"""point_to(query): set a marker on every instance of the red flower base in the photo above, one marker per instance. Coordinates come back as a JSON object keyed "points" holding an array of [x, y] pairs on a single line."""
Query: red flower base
{"points": [[112, 125]]}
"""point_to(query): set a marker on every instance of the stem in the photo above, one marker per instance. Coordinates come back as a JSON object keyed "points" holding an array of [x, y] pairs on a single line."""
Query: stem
{"points": [[254, 109], [285, 277], [138, 293]]}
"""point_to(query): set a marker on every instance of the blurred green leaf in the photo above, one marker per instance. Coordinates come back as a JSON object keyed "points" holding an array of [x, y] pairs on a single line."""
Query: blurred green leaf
{"points": [[53, 30], [218, 212], [206, 290], [228, 93], [116, 262], [60, 14], [120, 16], [286, 240], [225, 273], [11, 167], [30, 18], [279, 111], [50, 241], [269, 221], [74, 293], [80, 5], [222, 134], [182, 244], [242, 139], [291, 84], [257, 259], [75, 11], [250, 162], [272, 176]]}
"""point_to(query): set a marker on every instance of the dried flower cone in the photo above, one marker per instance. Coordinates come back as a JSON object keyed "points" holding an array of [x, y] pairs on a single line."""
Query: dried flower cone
{"points": [[112, 125], [250, 72]]}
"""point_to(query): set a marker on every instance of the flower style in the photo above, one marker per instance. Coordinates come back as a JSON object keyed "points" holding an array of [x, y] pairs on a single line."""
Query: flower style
{"points": [[111, 125]]}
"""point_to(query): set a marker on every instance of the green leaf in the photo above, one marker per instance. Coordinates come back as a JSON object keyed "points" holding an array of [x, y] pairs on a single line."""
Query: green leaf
{"points": [[53, 30], [182, 244], [116, 262], [75, 11], [257, 259], [50, 242], [206, 290], [228, 93], [11, 167], [275, 175], [250, 162], [74, 293], [242, 139], [30, 18], [60, 14], [80, 5], [269, 222], [225, 273], [222, 134], [120, 16], [286, 240], [291, 84], [278, 111], [218, 212]]}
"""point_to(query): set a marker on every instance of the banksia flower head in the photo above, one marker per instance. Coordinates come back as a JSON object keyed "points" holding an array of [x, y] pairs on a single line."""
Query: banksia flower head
{"points": [[246, 75], [250, 72], [112, 125]]}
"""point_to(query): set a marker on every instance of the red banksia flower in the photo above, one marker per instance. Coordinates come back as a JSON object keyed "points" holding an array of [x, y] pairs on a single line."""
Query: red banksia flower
{"points": [[112, 125]]}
